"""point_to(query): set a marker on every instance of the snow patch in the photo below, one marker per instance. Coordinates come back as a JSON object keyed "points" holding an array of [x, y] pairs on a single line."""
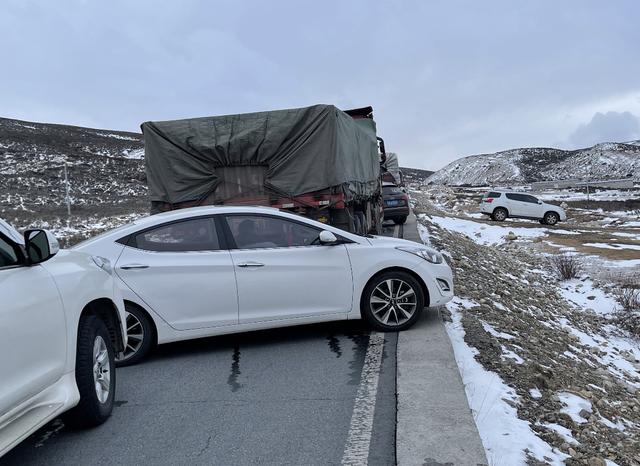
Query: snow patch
{"points": [[504, 435], [481, 233]]}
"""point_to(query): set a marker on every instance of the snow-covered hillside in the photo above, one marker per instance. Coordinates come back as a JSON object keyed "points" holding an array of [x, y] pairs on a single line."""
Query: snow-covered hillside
{"points": [[105, 171], [602, 161]]}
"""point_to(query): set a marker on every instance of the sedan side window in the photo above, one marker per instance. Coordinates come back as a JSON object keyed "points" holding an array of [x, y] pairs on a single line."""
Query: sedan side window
{"points": [[8, 254], [189, 235], [259, 231]]}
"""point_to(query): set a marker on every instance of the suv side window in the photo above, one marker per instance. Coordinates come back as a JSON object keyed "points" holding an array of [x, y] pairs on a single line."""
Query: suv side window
{"points": [[9, 254], [262, 231], [516, 197], [531, 199], [493, 194], [188, 235]]}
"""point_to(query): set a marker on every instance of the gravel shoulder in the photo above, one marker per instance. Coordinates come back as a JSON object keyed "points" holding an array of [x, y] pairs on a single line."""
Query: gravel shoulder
{"points": [[567, 371]]}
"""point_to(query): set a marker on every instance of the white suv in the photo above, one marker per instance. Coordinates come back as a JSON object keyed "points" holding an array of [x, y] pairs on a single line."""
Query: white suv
{"points": [[60, 326], [502, 204]]}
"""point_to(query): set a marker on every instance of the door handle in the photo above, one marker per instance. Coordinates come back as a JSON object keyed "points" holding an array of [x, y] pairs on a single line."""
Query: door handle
{"points": [[250, 264], [134, 266]]}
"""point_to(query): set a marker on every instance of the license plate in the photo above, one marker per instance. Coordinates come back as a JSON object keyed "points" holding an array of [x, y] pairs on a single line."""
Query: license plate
{"points": [[392, 203]]}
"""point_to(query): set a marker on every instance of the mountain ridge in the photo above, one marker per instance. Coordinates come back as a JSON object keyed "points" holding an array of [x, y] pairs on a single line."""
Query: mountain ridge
{"points": [[608, 160]]}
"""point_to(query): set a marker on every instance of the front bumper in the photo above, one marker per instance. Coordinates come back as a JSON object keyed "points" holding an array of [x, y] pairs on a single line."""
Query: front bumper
{"points": [[439, 281]]}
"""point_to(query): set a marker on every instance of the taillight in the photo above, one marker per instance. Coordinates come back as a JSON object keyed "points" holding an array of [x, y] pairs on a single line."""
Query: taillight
{"points": [[489, 200]]}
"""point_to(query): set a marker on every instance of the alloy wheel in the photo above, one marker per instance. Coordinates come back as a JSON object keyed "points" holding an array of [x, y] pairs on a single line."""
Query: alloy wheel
{"points": [[135, 337], [101, 369], [393, 302]]}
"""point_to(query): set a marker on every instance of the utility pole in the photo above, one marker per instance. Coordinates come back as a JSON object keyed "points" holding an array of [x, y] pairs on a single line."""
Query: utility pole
{"points": [[67, 196]]}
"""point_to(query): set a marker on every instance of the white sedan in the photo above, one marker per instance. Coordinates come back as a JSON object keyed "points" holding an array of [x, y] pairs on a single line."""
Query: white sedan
{"points": [[205, 271], [60, 328]]}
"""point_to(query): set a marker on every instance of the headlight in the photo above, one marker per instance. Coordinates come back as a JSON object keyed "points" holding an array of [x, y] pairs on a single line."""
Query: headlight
{"points": [[427, 254]]}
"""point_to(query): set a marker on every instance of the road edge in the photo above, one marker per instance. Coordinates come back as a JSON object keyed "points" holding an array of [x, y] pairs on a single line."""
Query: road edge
{"points": [[434, 425]]}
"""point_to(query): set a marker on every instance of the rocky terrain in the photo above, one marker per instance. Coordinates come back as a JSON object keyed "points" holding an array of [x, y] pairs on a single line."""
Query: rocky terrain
{"points": [[521, 166], [555, 355]]}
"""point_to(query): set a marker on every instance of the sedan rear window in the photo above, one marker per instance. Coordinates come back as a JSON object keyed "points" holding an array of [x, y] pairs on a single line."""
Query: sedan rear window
{"points": [[388, 190], [189, 235]]}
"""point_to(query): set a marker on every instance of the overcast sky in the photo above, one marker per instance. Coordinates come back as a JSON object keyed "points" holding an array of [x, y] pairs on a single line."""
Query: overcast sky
{"points": [[446, 78]]}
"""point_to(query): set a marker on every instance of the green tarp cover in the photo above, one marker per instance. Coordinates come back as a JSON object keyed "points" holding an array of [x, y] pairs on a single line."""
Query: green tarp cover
{"points": [[302, 150], [391, 165]]}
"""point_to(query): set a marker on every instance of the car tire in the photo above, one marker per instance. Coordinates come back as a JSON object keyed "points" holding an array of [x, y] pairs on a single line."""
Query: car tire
{"points": [[400, 220], [377, 297], [141, 337], [551, 218], [500, 214], [95, 375]]}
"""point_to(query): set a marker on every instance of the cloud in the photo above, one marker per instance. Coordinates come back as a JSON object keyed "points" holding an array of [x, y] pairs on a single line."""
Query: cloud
{"points": [[606, 127], [446, 79]]}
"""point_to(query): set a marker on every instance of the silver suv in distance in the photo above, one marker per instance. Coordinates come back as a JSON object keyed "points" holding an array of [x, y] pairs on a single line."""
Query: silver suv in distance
{"points": [[500, 205]]}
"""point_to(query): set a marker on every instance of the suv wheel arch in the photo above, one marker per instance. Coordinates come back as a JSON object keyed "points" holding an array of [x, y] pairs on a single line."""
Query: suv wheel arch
{"points": [[107, 312]]}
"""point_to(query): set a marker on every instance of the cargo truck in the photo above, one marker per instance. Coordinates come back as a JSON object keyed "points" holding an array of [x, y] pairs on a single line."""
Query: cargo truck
{"points": [[317, 161]]}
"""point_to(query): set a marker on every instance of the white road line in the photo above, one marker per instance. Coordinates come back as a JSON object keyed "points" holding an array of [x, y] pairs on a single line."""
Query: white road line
{"points": [[356, 451], [396, 231]]}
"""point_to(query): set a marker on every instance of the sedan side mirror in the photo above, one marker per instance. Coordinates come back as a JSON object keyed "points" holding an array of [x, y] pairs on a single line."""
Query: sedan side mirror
{"points": [[327, 237], [41, 245]]}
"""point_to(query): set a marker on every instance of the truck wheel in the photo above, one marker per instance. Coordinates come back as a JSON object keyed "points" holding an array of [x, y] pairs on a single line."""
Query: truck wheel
{"points": [[550, 218], [392, 301], [340, 218], [141, 337], [400, 220], [95, 374], [360, 223], [500, 214]]}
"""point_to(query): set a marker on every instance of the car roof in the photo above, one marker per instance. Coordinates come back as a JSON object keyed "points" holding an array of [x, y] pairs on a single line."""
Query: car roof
{"points": [[189, 212], [10, 232], [509, 191], [201, 210]]}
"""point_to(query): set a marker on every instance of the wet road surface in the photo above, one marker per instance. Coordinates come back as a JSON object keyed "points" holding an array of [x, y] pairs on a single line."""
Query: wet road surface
{"points": [[282, 396]]}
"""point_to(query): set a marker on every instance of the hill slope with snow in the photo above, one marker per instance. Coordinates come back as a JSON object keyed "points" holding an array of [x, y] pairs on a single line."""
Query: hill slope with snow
{"points": [[600, 162], [105, 171]]}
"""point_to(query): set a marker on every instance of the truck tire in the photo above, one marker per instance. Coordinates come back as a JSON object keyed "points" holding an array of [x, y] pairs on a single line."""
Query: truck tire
{"points": [[95, 374], [343, 219], [361, 223], [392, 301]]}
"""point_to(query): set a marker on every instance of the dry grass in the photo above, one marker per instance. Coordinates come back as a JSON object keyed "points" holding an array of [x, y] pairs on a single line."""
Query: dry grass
{"points": [[567, 266], [628, 296]]}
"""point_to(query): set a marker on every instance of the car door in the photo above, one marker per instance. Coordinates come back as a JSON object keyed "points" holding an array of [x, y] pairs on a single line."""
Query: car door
{"points": [[33, 339], [534, 206], [283, 272], [182, 273], [515, 204]]}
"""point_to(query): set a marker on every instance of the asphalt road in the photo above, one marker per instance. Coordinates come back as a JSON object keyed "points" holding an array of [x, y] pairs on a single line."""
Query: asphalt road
{"points": [[282, 396]]}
